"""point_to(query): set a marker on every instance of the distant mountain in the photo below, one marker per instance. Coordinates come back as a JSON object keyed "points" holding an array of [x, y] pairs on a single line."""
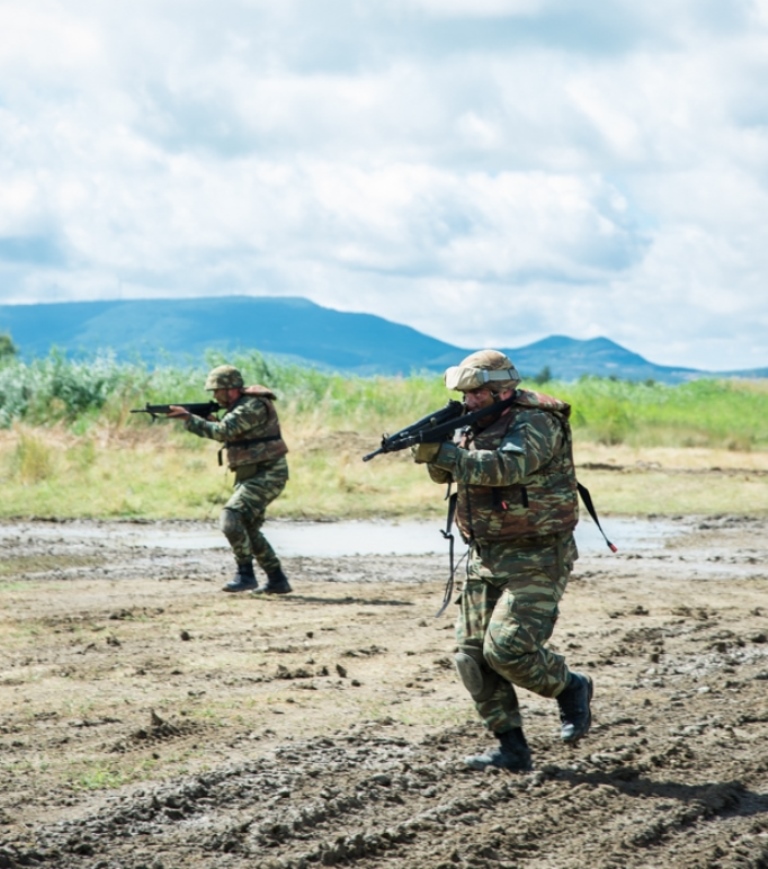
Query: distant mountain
{"points": [[158, 330], [569, 359], [161, 331]]}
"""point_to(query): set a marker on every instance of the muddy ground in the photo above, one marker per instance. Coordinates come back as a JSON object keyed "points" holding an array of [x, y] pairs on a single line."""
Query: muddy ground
{"points": [[149, 720]]}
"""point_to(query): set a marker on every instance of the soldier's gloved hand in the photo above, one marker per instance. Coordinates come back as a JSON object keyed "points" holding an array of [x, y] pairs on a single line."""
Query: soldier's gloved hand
{"points": [[423, 453]]}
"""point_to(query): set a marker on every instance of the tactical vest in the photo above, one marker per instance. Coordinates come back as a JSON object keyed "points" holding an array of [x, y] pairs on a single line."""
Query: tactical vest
{"points": [[269, 445], [545, 503]]}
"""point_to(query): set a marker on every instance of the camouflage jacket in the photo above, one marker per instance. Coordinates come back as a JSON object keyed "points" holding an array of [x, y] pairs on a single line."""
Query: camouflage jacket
{"points": [[250, 430], [515, 478]]}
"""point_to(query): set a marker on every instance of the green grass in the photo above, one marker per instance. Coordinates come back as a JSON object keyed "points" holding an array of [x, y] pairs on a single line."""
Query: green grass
{"points": [[71, 447], [95, 775], [13, 565], [728, 414]]}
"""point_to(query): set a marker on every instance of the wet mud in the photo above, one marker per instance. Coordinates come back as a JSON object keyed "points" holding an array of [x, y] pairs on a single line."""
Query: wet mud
{"points": [[150, 721]]}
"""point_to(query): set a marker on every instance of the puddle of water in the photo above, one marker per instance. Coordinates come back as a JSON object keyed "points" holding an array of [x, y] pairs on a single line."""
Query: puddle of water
{"points": [[337, 539], [425, 538], [629, 535], [318, 539]]}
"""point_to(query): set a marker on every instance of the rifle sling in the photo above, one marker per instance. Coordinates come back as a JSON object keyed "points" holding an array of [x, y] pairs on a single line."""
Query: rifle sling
{"points": [[448, 535], [587, 499]]}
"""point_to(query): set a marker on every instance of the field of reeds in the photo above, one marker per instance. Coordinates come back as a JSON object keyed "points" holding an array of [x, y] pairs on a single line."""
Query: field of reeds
{"points": [[70, 447]]}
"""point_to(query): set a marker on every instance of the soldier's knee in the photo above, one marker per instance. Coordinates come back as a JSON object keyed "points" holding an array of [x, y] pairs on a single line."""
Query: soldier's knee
{"points": [[231, 523], [475, 673]]}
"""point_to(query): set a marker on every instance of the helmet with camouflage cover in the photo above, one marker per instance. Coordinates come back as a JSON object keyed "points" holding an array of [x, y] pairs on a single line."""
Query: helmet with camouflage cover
{"points": [[224, 377], [485, 368]]}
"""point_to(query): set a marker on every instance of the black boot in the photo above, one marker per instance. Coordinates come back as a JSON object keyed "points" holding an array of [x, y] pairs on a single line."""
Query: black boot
{"points": [[512, 753], [243, 580], [277, 583], [575, 713]]}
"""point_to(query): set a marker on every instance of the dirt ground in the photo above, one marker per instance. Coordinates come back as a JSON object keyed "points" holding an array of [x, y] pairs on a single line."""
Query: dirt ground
{"points": [[150, 721]]}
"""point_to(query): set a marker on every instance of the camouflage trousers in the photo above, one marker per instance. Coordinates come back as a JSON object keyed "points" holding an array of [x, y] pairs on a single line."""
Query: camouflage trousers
{"points": [[509, 606], [256, 486]]}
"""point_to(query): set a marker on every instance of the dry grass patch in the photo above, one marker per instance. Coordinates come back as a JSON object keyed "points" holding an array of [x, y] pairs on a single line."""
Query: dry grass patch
{"points": [[160, 471]]}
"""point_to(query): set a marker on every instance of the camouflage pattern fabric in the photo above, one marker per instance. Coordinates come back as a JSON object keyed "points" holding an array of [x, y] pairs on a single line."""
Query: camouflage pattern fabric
{"points": [[249, 418], [488, 368], [256, 486], [517, 506], [515, 477], [224, 377], [508, 610], [261, 472]]}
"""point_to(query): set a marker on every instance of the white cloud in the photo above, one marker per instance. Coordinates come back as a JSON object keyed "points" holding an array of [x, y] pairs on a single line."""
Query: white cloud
{"points": [[481, 8], [46, 40], [487, 172]]}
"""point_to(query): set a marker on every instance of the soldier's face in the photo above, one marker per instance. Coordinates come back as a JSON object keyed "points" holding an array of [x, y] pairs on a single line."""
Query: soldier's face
{"points": [[477, 399], [221, 396]]}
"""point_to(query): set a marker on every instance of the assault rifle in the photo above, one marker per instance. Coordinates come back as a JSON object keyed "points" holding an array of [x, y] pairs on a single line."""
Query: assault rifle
{"points": [[204, 409], [436, 427]]}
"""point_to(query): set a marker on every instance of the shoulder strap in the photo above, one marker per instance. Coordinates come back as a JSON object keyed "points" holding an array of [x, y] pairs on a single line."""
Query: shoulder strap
{"points": [[587, 499]]}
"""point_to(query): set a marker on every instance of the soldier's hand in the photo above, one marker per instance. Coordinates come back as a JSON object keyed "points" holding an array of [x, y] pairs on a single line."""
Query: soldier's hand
{"points": [[423, 453], [177, 412]]}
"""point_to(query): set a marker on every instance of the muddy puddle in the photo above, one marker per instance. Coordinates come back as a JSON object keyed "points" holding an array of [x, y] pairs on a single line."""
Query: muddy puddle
{"points": [[344, 538]]}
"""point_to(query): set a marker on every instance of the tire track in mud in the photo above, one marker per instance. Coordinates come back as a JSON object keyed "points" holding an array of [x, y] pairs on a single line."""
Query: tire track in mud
{"points": [[368, 800], [674, 773]]}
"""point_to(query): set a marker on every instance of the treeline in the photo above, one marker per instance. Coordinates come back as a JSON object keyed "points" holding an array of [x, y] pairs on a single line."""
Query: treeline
{"points": [[82, 394]]}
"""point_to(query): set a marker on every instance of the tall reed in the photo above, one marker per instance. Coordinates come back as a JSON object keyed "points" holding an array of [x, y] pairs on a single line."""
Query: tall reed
{"points": [[714, 413]]}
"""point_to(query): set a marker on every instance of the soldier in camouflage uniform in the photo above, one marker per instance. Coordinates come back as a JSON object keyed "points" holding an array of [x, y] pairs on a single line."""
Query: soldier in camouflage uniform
{"points": [[517, 508], [256, 453]]}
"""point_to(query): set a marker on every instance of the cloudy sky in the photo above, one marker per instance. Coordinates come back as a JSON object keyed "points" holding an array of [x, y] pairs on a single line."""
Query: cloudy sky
{"points": [[490, 172]]}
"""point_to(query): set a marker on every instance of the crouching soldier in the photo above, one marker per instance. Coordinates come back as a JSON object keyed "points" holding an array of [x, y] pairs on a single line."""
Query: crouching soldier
{"points": [[250, 432]]}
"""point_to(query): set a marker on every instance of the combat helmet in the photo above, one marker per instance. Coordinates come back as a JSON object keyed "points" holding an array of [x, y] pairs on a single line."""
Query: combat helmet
{"points": [[224, 377], [485, 368]]}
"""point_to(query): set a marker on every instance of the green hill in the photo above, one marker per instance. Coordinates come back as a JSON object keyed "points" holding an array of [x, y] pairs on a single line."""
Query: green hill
{"points": [[159, 331]]}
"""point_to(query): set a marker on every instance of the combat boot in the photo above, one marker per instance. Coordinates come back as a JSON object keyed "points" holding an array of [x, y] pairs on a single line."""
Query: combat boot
{"points": [[575, 712], [277, 583], [511, 754], [243, 580]]}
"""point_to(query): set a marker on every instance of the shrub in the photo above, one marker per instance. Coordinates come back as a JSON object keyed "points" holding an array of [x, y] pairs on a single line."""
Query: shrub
{"points": [[32, 460]]}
